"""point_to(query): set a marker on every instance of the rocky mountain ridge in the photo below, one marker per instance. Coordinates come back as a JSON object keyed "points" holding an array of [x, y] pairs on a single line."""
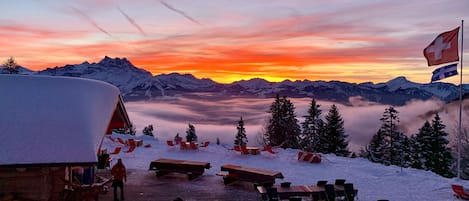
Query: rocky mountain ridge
{"points": [[138, 84]]}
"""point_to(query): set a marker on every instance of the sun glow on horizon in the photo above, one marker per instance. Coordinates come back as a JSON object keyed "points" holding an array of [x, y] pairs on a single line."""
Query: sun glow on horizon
{"points": [[353, 42]]}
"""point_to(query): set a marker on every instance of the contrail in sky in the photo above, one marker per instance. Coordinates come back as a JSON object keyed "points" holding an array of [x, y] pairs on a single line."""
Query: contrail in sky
{"points": [[180, 12], [132, 21], [91, 21]]}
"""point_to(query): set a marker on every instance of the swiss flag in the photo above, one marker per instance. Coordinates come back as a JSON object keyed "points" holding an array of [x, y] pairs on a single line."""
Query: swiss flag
{"points": [[443, 49]]}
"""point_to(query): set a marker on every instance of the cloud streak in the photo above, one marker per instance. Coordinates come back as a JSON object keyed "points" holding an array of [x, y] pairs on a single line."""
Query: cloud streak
{"points": [[315, 40], [89, 20], [132, 21], [231, 54], [180, 12]]}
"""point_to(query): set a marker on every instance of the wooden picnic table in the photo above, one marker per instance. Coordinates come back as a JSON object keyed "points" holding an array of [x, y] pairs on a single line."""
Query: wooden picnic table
{"points": [[138, 143], [193, 169], [312, 191], [253, 150], [254, 175], [292, 191], [187, 145]]}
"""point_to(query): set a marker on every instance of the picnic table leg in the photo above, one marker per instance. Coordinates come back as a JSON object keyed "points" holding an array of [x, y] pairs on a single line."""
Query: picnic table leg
{"points": [[160, 173], [228, 180], [264, 196], [315, 197], [193, 175], [267, 184]]}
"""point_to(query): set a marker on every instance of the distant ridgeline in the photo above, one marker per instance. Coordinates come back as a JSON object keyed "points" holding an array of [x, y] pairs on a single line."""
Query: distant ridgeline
{"points": [[139, 84]]}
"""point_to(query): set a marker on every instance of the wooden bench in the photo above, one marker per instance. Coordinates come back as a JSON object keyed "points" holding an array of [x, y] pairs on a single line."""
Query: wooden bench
{"points": [[254, 175], [193, 169]]}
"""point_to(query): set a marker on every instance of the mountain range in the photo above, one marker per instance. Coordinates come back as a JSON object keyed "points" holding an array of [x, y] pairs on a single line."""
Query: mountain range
{"points": [[138, 84]]}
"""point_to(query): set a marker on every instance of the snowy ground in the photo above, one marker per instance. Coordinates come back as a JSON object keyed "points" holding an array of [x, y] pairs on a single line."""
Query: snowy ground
{"points": [[373, 181]]}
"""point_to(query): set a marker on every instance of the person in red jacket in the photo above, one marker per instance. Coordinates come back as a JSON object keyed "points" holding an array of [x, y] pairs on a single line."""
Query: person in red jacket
{"points": [[119, 177]]}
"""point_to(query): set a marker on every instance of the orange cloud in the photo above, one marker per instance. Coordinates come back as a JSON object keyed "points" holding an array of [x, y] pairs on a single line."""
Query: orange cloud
{"points": [[301, 47]]}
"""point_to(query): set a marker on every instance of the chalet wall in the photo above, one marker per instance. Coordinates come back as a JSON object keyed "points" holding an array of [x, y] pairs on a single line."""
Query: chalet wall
{"points": [[36, 183]]}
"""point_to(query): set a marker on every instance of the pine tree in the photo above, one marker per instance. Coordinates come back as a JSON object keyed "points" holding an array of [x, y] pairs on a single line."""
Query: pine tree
{"points": [[282, 127], [131, 130], [273, 130], [400, 149], [334, 135], [389, 125], [393, 144], [241, 138], [190, 134], [430, 150], [148, 130], [292, 128], [440, 160], [312, 128], [11, 67], [420, 146], [375, 150]]}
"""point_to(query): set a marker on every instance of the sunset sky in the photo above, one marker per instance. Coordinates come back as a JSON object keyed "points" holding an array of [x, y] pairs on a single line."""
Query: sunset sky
{"points": [[229, 40]]}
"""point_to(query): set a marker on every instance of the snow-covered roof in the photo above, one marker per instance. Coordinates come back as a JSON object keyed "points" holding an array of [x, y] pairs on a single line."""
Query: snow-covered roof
{"points": [[45, 120]]}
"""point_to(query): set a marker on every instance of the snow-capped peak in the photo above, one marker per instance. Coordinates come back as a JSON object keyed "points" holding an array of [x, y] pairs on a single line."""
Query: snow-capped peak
{"points": [[187, 81], [137, 84], [254, 83], [117, 71], [400, 82], [116, 62]]}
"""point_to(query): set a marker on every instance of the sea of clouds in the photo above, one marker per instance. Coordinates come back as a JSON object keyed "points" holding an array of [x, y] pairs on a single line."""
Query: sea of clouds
{"points": [[217, 118]]}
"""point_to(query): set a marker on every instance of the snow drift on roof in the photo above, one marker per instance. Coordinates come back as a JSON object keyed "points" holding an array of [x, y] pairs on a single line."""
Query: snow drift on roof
{"points": [[53, 119]]}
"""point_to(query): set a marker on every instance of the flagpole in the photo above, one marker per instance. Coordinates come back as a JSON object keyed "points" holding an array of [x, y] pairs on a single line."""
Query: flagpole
{"points": [[460, 102]]}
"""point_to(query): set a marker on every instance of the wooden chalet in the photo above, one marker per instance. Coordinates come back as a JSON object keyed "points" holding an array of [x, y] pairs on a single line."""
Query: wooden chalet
{"points": [[49, 126]]}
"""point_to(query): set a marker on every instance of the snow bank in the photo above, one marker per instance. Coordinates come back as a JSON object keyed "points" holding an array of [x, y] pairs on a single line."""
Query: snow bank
{"points": [[373, 181]]}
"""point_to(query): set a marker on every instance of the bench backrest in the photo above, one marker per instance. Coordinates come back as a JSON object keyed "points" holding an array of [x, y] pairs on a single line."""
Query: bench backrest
{"points": [[131, 142], [111, 138], [193, 145], [459, 190], [131, 149], [170, 143], [205, 144], [269, 149], [116, 150], [244, 150], [120, 140]]}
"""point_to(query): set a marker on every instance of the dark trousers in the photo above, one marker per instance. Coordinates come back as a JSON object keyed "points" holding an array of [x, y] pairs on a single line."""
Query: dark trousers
{"points": [[120, 184]]}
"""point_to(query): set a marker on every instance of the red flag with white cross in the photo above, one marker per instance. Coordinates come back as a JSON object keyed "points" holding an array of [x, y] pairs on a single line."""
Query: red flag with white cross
{"points": [[443, 49]]}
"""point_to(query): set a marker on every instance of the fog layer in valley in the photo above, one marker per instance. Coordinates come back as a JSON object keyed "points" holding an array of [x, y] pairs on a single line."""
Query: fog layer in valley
{"points": [[214, 118]]}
